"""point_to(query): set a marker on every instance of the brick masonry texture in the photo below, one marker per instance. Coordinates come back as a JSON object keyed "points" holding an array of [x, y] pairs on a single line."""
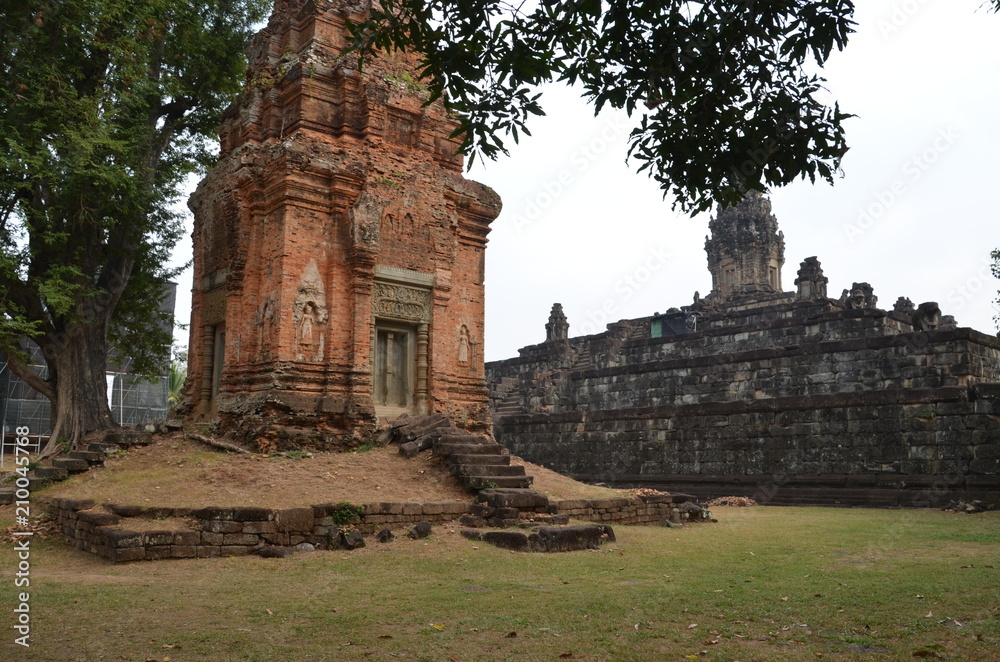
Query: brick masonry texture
{"points": [[787, 397], [338, 208], [234, 531]]}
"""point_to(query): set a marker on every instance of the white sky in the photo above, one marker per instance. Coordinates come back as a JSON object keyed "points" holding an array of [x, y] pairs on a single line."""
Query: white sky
{"points": [[914, 213]]}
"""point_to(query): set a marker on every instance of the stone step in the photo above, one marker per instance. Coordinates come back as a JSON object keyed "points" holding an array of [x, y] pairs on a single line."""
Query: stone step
{"points": [[71, 464], [52, 473], [462, 438], [128, 438], [488, 482], [7, 496], [487, 470], [456, 459], [36, 483], [469, 449], [99, 447], [522, 499], [91, 457]]}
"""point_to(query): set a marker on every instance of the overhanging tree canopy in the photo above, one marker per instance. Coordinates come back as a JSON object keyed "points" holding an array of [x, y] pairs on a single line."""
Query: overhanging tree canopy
{"points": [[107, 105], [725, 100]]}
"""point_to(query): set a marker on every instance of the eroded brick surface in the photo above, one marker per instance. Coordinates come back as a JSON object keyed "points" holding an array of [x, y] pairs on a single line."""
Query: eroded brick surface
{"points": [[339, 251]]}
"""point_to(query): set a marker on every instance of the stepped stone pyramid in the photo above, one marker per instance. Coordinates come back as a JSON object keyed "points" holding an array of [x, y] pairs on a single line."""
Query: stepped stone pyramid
{"points": [[790, 397]]}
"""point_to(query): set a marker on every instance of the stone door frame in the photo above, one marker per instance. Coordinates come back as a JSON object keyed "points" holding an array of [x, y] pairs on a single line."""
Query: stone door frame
{"points": [[402, 299]]}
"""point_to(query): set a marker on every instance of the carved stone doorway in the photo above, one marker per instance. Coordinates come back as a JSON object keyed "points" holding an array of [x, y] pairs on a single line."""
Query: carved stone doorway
{"points": [[395, 367]]}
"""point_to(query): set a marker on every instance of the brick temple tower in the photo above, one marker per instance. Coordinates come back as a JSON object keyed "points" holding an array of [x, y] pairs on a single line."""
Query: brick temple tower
{"points": [[746, 251], [338, 250]]}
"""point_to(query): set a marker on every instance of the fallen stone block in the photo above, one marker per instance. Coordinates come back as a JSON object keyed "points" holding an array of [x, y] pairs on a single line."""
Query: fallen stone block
{"points": [[351, 540], [272, 552], [570, 538], [513, 540], [420, 530]]}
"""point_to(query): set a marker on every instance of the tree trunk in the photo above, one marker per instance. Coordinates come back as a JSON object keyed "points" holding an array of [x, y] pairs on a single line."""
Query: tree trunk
{"points": [[78, 361]]}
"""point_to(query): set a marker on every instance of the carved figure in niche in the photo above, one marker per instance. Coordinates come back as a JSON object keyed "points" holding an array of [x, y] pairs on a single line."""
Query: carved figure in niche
{"points": [[904, 305], [927, 316], [265, 323], [309, 315], [306, 328], [861, 295], [464, 345]]}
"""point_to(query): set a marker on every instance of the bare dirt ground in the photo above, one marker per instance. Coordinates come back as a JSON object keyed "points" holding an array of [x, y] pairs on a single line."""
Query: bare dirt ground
{"points": [[178, 472]]}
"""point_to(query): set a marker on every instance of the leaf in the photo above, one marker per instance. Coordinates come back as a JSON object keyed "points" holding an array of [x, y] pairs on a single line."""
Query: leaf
{"points": [[437, 627], [692, 626]]}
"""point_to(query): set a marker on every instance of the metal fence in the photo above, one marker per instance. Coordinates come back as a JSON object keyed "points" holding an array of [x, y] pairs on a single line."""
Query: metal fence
{"points": [[133, 401]]}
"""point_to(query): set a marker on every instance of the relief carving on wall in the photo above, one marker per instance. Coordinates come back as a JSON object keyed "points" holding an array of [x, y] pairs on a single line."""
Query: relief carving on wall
{"points": [[468, 350], [464, 345], [213, 306], [265, 325], [399, 302], [310, 315]]}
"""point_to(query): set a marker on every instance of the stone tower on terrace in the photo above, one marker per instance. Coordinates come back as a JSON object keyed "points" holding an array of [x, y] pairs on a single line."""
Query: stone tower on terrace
{"points": [[338, 250], [745, 251]]}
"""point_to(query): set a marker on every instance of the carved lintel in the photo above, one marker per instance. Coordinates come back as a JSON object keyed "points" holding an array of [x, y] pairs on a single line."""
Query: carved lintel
{"points": [[213, 306], [399, 302]]}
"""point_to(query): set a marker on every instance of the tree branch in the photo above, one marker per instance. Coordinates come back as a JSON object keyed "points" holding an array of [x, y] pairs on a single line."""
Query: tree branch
{"points": [[29, 377]]}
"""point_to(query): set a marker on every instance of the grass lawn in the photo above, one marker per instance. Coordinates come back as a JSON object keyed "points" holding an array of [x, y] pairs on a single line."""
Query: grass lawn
{"points": [[761, 584]]}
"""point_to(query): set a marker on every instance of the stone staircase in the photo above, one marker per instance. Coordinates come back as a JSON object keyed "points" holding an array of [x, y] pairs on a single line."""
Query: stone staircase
{"points": [[77, 461], [583, 360], [509, 406], [477, 461]]}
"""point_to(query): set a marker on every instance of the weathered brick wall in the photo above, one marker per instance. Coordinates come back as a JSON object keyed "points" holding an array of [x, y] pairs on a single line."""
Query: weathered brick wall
{"points": [[237, 531], [329, 179]]}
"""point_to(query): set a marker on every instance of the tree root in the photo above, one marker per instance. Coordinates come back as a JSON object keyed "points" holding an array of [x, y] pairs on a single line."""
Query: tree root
{"points": [[224, 445]]}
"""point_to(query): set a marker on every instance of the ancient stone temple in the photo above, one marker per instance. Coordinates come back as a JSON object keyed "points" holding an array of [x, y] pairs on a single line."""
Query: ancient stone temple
{"points": [[338, 250], [789, 397], [745, 250]]}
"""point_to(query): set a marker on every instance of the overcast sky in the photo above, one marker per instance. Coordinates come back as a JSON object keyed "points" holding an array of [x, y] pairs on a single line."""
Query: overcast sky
{"points": [[914, 214]]}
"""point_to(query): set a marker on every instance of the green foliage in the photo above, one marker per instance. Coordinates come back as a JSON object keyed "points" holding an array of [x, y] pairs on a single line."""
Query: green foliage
{"points": [[175, 383], [345, 512], [108, 106], [405, 82], [721, 90]]}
